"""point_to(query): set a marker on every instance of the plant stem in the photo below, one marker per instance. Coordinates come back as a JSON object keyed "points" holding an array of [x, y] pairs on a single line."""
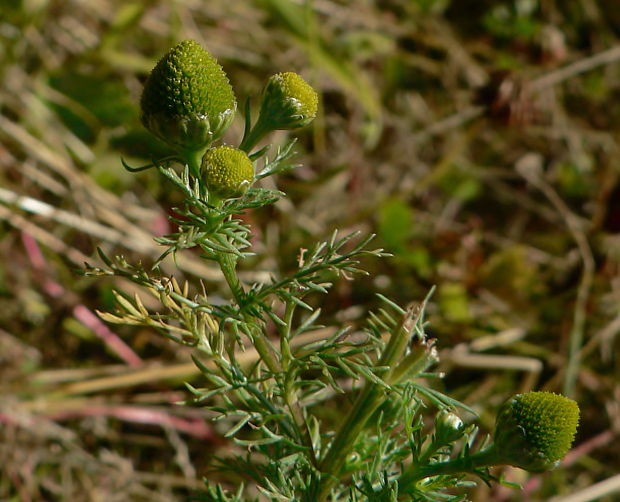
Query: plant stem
{"points": [[251, 390], [194, 161], [334, 460], [260, 129], [228, 264], [267, 353], [289, 393], [470, 463], [365, 405]]}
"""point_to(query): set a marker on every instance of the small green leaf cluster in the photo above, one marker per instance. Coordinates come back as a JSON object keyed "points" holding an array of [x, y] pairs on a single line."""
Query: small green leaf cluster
{"points": [[272, 372]]}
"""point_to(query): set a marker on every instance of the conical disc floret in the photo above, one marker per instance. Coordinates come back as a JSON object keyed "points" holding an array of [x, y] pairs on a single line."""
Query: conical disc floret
{"points": [[289, 101], [535, 430], [187, 99], [229, 172]]}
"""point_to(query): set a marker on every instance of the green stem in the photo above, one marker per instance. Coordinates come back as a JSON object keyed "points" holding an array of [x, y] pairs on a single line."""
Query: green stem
{"points": [[264, 348], [250, 389], [258, 132], [290, 395], [334, 460], [365, 405], [485, 458], [292, 403], [430, 451], [285, 335], [228, 264], [194, 161]]}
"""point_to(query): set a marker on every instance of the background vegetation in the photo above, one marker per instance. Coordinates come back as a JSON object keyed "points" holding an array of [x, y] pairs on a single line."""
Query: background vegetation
{"points": [[479, 140]]}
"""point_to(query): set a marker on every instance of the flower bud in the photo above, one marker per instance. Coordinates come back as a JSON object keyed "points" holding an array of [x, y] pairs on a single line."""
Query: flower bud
{"points": [[448, 427], [187, 99], [535, 430], [228, 171], [288, 102]]}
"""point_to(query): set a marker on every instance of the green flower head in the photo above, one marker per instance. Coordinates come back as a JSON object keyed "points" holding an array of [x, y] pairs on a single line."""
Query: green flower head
{"points": [[228, 171], [187, 99], [288, 102], [535, 430]]}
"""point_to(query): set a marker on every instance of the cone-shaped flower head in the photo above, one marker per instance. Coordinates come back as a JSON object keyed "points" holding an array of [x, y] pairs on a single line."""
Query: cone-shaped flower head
{"points": [[534, 430], [288, 102], [187, 99], [228, 171]]}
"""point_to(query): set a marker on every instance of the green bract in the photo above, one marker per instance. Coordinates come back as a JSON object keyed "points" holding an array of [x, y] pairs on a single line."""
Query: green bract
{"points": [[535, 430], [187, 99], [228, 171], [288, 101]]}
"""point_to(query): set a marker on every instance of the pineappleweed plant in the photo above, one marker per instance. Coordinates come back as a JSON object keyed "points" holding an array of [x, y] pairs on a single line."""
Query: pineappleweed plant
{"points": [[387, 446]]}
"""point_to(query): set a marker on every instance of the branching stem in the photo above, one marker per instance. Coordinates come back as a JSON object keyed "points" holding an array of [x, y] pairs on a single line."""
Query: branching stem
{"points": [[194, 161], [267, 353], [228, 264], [470, 464], [258, 132], [365, 405]]}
